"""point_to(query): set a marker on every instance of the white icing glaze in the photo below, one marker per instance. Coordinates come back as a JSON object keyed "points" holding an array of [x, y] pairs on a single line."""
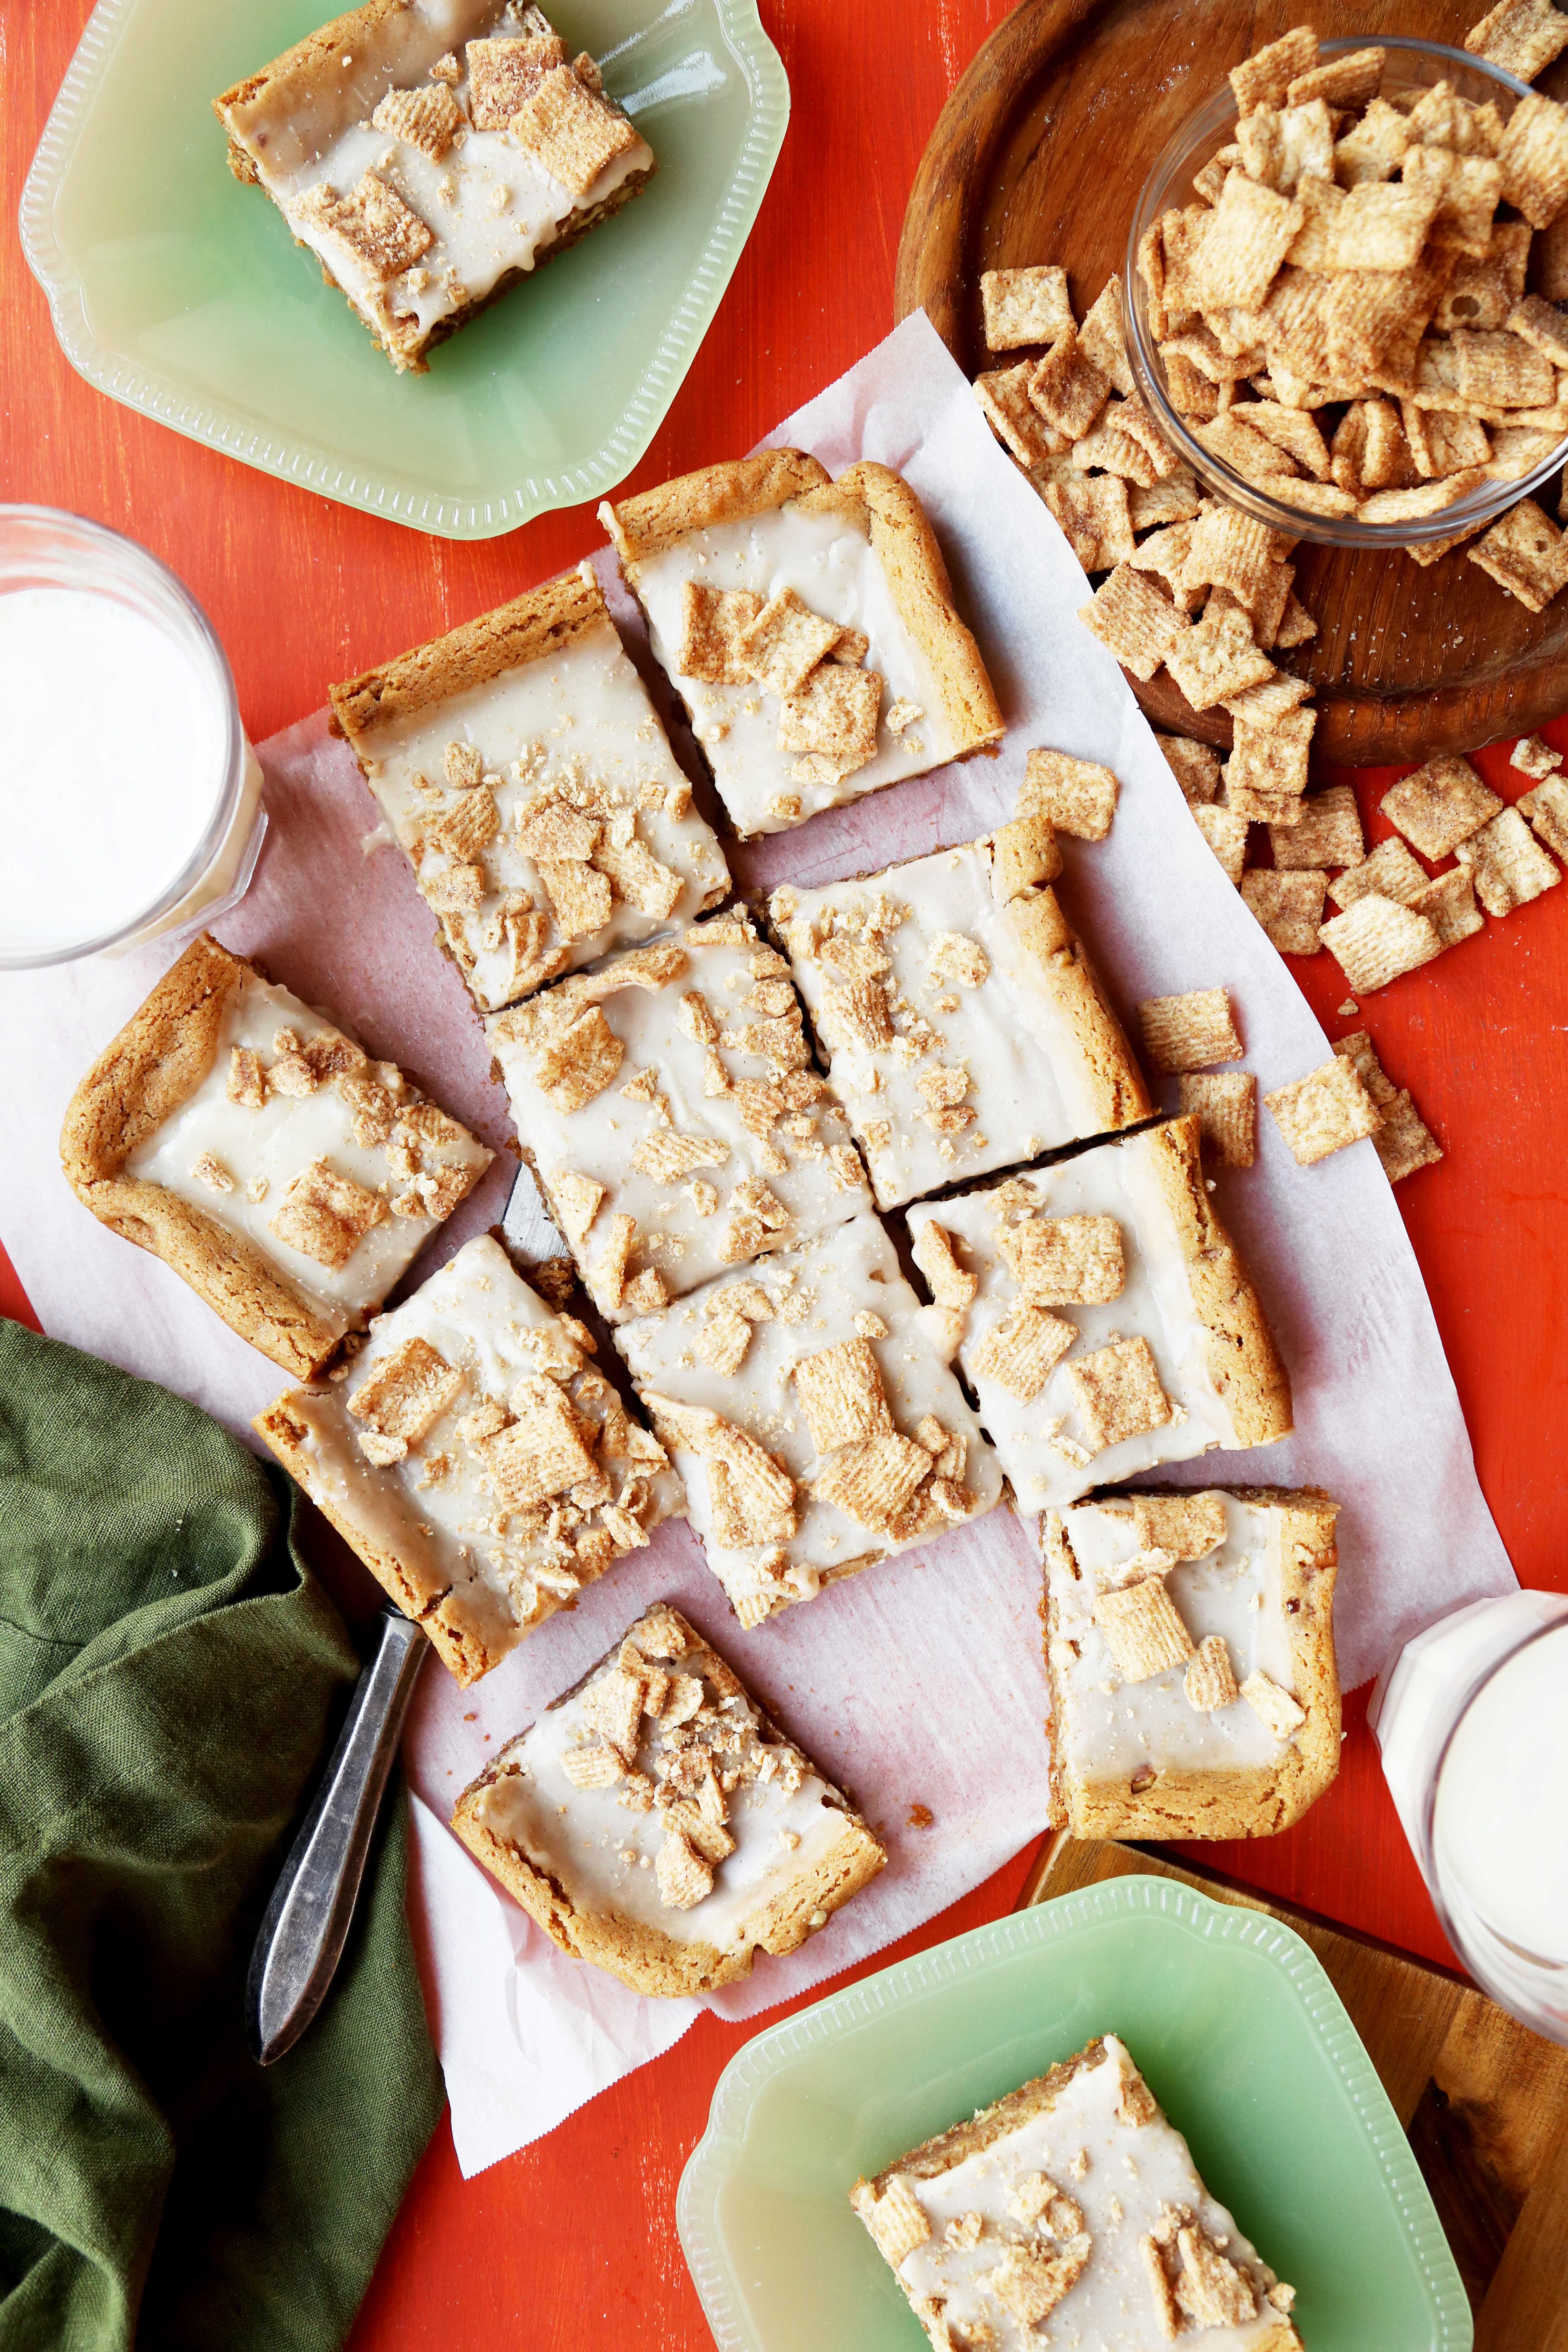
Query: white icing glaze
{"points": [[832, 569], [602, 1853], [581, 713], [270, 1146], [431, 1510], [816, 1293], [1131, 2171], [1116, 1179], [297, 137], [1109, 1726], [1029, 1083], [598, 1140]]}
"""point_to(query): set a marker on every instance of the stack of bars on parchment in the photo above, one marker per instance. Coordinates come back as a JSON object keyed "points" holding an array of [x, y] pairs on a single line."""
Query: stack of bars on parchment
{"points": [[875, 1219], [1342, 318]]}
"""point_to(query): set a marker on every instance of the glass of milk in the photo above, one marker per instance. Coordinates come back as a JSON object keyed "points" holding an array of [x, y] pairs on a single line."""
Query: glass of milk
{"points": [[1472, 1719], [130, 797]]}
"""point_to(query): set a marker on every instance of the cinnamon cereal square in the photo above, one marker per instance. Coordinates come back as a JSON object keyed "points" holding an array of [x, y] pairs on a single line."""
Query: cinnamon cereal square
{"points": [[1324, 1111], [1440, 805], [1506, 864], [1376, 940], [1225, 1102], [1025, 306], [1289, 905], [1077, 796], [1191, 1032]]}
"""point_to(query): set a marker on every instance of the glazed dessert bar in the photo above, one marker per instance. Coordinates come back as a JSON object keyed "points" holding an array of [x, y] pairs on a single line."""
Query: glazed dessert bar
{"points": [[654, 1821], [1102, 1317], [1190, 1645], [962, 1024], [521, 767], [1072, 2201], [808, 625], [473, 1456], [258, 1151], [432, 154], [816, 1425], [667, 1103]]}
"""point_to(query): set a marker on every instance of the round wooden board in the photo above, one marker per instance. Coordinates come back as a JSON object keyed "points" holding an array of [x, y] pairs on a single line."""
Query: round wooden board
{"points": [[1037, 156]]}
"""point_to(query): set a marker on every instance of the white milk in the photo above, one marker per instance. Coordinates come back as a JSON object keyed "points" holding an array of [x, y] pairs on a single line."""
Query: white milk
{"points": [[1499, 1826], [1472, 1720], [114, 759]]}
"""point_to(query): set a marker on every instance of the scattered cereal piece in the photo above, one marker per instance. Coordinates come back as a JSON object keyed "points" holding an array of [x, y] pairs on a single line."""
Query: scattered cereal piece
{"points": [[1390, 873], [1289, 905], [1119, 1393], [1523, 551], [1440, 805], [1522, 36], [1506, 864], [1195, 766], [1376, 940], [1546, 809], [1190, 1032], [1329, 832], [1077, 796], [1224, 830], [1323, 1111], [1025, 306], [1225, 1102], [1448, 903], [1404, 1143], [1530, 755]]}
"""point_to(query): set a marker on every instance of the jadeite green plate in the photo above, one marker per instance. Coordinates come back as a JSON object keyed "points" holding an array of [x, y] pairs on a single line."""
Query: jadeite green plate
{"points": [[1244, 2043], [182, 293]]}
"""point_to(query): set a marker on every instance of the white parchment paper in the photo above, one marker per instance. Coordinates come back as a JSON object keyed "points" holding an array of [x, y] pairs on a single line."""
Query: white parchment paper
{"points": [[918, 1683]]}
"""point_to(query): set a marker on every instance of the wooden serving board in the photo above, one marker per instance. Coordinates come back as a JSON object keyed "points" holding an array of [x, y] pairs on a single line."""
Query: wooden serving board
{"points": [[1039, 156], [1485, 2102]]}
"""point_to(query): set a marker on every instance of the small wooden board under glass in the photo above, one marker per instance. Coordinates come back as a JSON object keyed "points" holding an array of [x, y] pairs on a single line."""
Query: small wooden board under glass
{"points": [[1485, 2102], [1039, 156]]}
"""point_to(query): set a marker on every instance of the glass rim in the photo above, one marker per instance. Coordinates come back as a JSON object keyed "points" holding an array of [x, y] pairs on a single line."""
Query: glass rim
{"points": [[65, 527], [1471, 1692], [1467, 515]]}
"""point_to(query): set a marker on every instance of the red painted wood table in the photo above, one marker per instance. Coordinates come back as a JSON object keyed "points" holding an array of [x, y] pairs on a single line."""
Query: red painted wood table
{"points": [[572, 2241]]}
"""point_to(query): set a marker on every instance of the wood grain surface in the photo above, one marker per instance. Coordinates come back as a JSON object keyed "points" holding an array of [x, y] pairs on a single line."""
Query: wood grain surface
{"points": [[572, 2243], [1484, 2102], [1039, 155]]}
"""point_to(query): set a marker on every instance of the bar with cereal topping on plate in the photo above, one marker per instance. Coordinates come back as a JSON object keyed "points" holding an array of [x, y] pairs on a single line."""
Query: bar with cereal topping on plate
{"points": [[655, 1823], [432, 157], [261, 1154], [1071, 2200]]}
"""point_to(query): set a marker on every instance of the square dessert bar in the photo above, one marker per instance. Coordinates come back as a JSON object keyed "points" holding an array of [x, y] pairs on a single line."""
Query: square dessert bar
{"points": [[654, 1821], [430, 157], [808, 625], [1073, 2200], [527, 778], [1190, 1645], [817, 1427], [962, 1030], [1102, 1316], [475, 1459], [667, 1103], [259, 1153]]}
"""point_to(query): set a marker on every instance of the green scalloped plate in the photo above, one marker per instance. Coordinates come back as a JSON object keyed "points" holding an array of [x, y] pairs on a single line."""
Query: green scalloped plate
{"points": [[180, 292], [1243, 2039]]}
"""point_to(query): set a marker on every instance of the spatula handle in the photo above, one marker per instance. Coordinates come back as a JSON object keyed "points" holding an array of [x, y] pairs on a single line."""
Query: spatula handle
{"points": [[301, 1937]]}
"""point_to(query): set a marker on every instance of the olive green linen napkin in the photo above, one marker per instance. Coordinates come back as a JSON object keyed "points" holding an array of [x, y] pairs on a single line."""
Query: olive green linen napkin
{"points": [[170, 1679]]}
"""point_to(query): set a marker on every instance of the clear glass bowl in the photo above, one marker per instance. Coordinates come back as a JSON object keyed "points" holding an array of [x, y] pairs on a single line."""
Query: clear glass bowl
{"points": [[43, 547], [1412, 66]]}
